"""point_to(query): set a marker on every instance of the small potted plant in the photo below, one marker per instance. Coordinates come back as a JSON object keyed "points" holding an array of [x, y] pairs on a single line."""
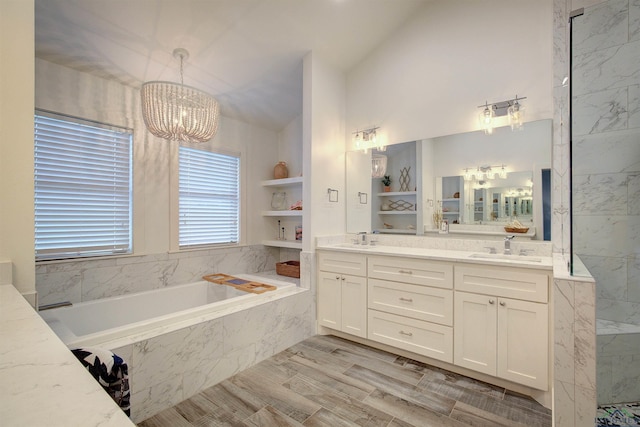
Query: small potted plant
{"points": [[386, 181]]}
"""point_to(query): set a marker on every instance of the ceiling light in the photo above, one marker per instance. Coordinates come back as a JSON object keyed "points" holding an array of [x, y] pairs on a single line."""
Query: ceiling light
{"points": [[178, 112]]}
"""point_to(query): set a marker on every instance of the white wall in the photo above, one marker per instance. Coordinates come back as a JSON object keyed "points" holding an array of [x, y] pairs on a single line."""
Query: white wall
{"points": [[428, 79], [16, 142], [323, 135], [67, 91]]}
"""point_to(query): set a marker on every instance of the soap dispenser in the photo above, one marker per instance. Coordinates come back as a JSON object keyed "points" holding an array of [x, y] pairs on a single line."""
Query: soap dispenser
{"points": [[444, 227]]}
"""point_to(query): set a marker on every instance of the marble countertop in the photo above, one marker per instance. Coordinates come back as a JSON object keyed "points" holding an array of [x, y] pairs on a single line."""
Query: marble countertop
{"points": [[479, 257], [42, 382]]}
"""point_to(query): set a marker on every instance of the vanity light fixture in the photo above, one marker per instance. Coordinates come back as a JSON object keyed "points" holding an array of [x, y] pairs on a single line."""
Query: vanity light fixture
{"points": [[368, 138], [178, 112], [510, 107], [485, 172]]}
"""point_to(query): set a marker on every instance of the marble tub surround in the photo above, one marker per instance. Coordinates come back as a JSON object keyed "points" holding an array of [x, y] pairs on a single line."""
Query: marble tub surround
{"points": [[43, 383], [84, 280], [171, 367]]}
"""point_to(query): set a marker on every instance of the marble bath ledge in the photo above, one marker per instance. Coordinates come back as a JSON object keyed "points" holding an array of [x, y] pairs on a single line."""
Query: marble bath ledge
{"points": [[43, 383]]}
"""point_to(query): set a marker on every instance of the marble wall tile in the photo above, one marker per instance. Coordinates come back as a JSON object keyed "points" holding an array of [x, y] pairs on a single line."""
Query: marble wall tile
{"points": [[585, 336], [615, 152], [564, 404], [633, 107], [602, 26], [633, 281], [59, 286], [601, 194], [633, 195], [601, 235], [634, 20], [564, 349], [610, 274], [602, 111], [618, 345], [609, 68], [604, 378], [625, 378], [585, 408], [146, 402], [618, 311]]}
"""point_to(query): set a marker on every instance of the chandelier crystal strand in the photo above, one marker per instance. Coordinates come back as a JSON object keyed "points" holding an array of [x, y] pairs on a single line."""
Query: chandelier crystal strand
{"points": [[178, 112]]}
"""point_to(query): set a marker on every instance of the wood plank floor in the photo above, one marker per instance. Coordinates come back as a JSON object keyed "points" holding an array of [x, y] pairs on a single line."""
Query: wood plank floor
{"points": [[328, 381]]}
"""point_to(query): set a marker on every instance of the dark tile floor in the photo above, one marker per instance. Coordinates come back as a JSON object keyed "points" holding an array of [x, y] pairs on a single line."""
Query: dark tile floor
{"points": [[328, 381]]}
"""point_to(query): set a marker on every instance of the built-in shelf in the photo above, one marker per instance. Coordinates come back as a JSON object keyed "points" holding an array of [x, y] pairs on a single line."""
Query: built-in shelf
{"points": [[282, 213], [396, 193], [450, 213], [292, 244], [396, 212], [284, 182]]}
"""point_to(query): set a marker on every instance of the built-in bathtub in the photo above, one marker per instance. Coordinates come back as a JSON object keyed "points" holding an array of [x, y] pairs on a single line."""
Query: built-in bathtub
{"points": [[182, 339], [617, 362]]}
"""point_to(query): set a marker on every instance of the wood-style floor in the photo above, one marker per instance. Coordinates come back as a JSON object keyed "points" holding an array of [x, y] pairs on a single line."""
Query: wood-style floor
{"points": [[328, 381]]}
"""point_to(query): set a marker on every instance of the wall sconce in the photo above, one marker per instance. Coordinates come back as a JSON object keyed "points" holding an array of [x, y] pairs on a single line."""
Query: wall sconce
{"points": [[368, 138], [510, 107]]}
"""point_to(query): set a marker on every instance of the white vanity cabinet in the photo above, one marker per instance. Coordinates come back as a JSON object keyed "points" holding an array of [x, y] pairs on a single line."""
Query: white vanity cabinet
{"points": [[502, 323], [411, 305], [342, 292]]}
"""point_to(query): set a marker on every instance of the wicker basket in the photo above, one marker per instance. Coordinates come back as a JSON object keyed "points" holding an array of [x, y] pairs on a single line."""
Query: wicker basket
{"points": [[288, 268], [515, 230]]}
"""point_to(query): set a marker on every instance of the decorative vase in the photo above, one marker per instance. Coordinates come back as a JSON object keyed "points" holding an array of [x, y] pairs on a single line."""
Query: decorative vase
{"points": [[280, 171]]}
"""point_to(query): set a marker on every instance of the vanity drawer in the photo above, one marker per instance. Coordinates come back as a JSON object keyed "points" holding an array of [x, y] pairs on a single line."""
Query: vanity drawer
{"points": [[418, 302], [409, 270], [427, 339], [341, 262], [507, 282]]}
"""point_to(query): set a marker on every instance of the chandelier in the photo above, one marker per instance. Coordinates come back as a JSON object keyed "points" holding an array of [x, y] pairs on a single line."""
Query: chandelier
{"points": [[177, 112]]}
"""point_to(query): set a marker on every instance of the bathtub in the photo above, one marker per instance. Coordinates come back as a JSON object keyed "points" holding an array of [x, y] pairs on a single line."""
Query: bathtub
{"points": [[106, 320], [180, 340]]}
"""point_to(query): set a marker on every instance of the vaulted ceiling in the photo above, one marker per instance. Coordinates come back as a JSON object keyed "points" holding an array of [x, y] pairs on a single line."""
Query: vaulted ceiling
{"points": [[246, 53]]}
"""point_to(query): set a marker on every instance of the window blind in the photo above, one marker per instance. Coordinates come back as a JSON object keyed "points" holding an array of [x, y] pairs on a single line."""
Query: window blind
{"points": [[209, 193], [82, 188]]}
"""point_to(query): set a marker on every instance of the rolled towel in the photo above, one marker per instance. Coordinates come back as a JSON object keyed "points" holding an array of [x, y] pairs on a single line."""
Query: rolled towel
{"points": [[110, 371]]}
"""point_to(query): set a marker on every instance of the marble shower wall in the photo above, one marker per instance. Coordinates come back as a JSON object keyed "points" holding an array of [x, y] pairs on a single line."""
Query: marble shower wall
{"points": [[606, 147], [85, 280]]}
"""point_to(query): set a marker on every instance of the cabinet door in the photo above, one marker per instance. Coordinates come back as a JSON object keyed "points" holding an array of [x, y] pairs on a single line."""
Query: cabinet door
{"points": [[329, 300], [475, 329], [354, 305], [523, 337]]}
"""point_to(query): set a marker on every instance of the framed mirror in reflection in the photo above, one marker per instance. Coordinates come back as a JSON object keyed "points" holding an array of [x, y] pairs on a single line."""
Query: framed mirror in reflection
{"points": [[479, 203]]}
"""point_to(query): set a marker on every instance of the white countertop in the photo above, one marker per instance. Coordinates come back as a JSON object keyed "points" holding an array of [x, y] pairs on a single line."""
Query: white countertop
{"points": [[526, 261], [43, 384]]}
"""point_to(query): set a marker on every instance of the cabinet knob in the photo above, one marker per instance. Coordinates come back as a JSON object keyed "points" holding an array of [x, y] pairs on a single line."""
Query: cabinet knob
{"points": [[491, 301], [343, 279], [409, 334], [337, 277], [406, 299], [502, 303]]}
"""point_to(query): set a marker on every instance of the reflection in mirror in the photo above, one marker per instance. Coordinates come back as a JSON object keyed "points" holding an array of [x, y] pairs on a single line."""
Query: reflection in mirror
{"points": [[525, 152]]}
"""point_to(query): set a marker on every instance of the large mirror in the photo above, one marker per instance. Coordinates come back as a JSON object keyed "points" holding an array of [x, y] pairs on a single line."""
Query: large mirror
{"points": [[483, 200]]}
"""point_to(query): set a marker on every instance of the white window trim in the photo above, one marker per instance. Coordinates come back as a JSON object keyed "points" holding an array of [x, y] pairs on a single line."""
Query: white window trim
{"points": [[174, 197]]}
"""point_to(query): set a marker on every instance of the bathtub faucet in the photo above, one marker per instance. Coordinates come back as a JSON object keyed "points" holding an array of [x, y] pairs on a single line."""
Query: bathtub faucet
{"points": [[507, 245]]}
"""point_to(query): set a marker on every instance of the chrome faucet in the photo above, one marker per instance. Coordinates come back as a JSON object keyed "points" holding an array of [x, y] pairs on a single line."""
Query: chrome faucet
{"points": [[363, 237], [507, 245]]}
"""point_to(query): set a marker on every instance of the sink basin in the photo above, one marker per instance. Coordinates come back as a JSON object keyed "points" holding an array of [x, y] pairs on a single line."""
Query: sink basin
{"points": [[519, 258]]}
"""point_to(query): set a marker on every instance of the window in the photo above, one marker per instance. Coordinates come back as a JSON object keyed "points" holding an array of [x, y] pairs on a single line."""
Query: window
{"points": [[82, 188], [209, 198]]}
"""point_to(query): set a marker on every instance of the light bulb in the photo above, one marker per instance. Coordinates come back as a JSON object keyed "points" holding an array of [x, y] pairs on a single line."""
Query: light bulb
{"points": [[486, 119]]}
